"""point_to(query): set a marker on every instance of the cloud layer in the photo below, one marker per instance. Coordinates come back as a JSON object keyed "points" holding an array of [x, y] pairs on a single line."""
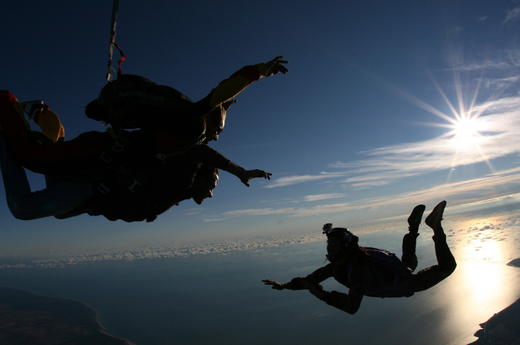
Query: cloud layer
{"points": [[496, 188], [150, 253], [462, 231]]}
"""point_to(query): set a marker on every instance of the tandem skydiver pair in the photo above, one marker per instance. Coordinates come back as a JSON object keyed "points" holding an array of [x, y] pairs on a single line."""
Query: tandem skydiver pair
{"points": [[154, 155]]}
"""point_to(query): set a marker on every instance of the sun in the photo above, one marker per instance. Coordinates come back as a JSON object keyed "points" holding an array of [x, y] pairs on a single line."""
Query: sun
{"points": [[468, 128], [466, 132]]}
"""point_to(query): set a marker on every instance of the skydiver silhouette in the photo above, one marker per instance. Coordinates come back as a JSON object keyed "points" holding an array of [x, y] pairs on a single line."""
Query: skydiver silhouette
{"points": [[375, 272], [91, 172]]}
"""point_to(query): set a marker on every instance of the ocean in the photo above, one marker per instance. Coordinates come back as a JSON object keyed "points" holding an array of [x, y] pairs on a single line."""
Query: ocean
{"points": [[219, 298]]}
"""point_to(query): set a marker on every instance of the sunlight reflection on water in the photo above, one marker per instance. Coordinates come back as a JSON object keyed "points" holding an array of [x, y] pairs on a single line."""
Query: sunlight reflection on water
{"points": [[483, 284]]}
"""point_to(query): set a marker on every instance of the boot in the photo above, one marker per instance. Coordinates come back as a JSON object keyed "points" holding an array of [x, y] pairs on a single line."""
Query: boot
{"points": [[415, 219], [434, 220]]}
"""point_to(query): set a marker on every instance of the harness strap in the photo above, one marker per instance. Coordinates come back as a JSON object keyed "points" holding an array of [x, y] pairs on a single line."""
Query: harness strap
{"points": [[107, 157], [122, 58], [112, 44], [161, 156]]}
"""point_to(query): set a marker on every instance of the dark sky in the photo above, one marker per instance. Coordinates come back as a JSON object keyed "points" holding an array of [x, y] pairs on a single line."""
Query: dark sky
{"points": [[343, 132]]}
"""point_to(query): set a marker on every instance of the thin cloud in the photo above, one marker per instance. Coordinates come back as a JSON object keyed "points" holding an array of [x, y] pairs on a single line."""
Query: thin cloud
{"points": [[488, 65], [501, 83], [258, 212], [289, 211], [374, 180], [319, 197], [296, 179], [506, 62], [495, 186], [512, 15], [506, 172]]}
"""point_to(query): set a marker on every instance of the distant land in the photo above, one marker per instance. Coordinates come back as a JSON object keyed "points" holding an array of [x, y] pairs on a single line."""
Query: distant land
{"points": [[29, 319], [514, 262]]}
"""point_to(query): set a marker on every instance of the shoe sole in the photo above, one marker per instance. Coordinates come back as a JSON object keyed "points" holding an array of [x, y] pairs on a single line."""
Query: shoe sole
{"points": [[435, 217], [416, 216]]}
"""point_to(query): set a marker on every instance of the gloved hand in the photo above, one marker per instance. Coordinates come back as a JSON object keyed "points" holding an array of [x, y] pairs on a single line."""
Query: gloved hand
{"points": [[247, 175], [272, 67]]}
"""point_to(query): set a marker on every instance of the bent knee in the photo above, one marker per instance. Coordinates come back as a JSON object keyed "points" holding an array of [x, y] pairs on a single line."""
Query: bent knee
{"points": [[449, 268], [22, 213], [453, 266], [352, 311]]}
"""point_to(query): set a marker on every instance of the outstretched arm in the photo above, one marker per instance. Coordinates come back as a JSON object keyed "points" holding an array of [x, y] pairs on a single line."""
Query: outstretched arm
{"points": [[205, 154], [300, 283], [347, 302], [238, 81]]}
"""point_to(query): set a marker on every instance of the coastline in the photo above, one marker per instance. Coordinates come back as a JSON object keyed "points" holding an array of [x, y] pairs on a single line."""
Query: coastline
{"points": [[29, 318], [501, 328]]}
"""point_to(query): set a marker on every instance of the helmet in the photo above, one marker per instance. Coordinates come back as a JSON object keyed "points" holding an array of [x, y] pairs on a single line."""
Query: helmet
{"points": [[338, 241]]}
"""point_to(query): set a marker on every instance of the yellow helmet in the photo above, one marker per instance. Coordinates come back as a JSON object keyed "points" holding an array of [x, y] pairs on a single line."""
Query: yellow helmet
{"points": [[45, 118], [50, 124]]}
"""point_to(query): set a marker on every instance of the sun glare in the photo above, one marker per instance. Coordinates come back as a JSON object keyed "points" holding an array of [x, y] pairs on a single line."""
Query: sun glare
{"points": [[466, 133], [466, 127]]}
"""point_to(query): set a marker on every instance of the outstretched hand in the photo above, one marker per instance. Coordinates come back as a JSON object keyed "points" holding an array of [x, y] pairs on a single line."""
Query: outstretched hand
{"points": [[250, 174], [273, 67], [274, 284]]}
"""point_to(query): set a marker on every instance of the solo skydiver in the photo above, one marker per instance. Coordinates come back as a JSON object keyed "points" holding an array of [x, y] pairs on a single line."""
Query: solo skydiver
{"points": [[375, 272], [160, 159]]}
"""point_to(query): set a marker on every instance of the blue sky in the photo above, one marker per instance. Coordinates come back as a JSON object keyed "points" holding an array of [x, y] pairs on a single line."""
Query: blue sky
{"points": [[355, 131]]}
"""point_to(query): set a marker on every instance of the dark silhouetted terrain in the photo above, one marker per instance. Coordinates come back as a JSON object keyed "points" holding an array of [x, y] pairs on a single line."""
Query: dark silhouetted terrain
{"points": [[502, 328], [29, 319]]}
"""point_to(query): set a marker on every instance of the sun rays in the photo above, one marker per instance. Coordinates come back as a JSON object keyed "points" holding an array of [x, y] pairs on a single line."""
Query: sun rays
{"points": [[466, 132], [464, 121]]}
